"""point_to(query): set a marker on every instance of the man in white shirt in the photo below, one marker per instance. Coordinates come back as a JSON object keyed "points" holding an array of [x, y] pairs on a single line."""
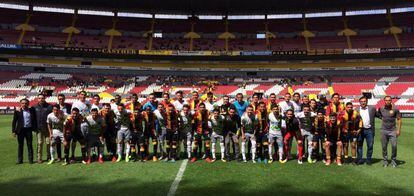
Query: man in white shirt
{"points": [[82, 104], [96, 104], [179, 102], [209, 102], [368, 114], [286, 104]]}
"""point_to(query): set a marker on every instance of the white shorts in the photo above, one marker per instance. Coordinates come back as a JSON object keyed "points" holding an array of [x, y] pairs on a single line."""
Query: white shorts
{"points": [[56, 135], [215, 136]]}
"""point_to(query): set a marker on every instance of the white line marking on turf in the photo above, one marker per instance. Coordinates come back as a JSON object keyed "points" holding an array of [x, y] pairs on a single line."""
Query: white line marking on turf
{"points": [[177, 179]]}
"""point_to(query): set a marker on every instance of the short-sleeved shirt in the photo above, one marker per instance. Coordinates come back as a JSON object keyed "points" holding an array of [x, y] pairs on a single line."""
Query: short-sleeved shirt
{"points": [[55, 121], [389, 117], [249, 123], [241, 107], [306, 121], [95, 126], [217, 125], [186, 123], [275, 123]]}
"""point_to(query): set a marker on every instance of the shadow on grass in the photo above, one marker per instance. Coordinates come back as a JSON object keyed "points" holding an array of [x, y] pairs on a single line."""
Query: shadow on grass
{"points": [[80, 186]]}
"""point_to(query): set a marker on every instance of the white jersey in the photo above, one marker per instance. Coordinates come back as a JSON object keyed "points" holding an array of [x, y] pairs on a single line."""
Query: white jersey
{"points": [[274, 124], [57, 124], [83, 107], [209, 105], [284, 106], [178, 105], [297, 107], [99, 107]]}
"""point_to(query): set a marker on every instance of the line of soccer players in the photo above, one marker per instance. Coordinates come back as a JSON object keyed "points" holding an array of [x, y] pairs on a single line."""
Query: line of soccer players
{"points": [[323, 130]]}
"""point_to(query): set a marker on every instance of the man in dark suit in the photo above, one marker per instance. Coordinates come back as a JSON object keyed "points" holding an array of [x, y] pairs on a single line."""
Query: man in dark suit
{"points": [[368, 114], [24, 122]]}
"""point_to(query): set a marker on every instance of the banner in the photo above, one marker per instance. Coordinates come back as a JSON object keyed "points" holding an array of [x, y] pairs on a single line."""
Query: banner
{"points": [[362, 51], [385, 50], [225, 53], [10, 46], [192, 53], [156, 52], [294, 52], [119, 51], [256, 53]]}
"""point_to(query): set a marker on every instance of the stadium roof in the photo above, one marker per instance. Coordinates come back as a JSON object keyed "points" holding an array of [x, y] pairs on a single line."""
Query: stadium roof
{"points": [[220, 7]]}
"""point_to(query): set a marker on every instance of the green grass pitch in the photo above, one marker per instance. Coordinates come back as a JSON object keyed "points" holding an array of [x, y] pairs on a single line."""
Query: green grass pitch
{"points": [[200, 178]]}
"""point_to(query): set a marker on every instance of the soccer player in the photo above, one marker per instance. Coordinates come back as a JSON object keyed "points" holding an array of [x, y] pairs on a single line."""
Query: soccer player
{"points": [[153, 103], [43, 109], [351, 128], [333, 136], [110, 132], [63, 106], [271, 102], [96, 102], [73, 134], [179, 102], [290, 124], [275, 133], [166, 100], [262, 141], [307, 128], [82, 104], [334, 106], [115, 102], [217, 128], [161, 128], [171, 139], [226, 103], [390, 130], [96, 127], [186, 137], [232, 124], [194, 101], [150, 132], [123, 125], [320, 134], [255, 102], [209, 102], [134, 104], [202, 132], [137, 135], [55, 122], [286, 104], [297, 105], [240, 104], [313, 104], [249, 123]]}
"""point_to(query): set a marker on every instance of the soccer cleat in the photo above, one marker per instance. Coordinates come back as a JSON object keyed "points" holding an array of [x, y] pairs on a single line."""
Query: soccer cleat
{"points": [[72, 160], [193, 160], [310, 160], [119, 159], [204, 156], [223, 160], [51, 161], [213, 160], [88, 161], [154, 159], [244, 161], [323, 161], [166, 159], [127, 158], [282, 161], [265, 161], [394, 164], [300, 161], [270, 160], [172, 161], [83, 162], [253, 160], [314, 160], [100, 160], [208, 160], [339, 162], [113, 159], [328, 162], [259, 160], [65, 163]]}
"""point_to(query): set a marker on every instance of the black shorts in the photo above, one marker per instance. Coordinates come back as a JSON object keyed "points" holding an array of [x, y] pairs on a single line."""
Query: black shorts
{"points": [[137, 137]]}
